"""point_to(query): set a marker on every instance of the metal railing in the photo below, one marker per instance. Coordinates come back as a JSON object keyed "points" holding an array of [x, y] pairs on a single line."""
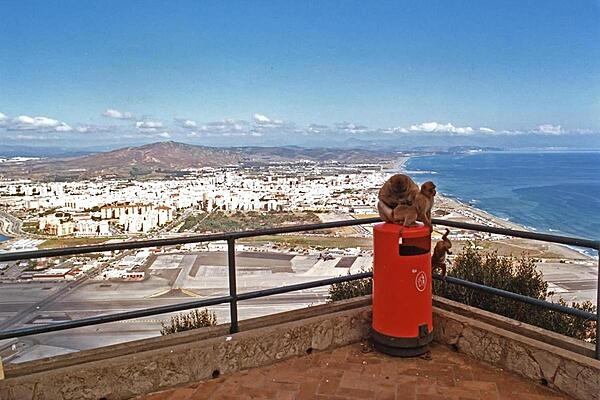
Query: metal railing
{"points": [[234, 296]]}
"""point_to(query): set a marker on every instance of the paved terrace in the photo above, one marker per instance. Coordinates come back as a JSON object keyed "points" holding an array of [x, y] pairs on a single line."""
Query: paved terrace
{"points": [[357, 372]]}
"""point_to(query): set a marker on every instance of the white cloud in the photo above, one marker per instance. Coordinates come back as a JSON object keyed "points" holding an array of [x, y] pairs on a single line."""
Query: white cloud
{"points": [[486, 130], [264, 121], [3, 118], [225, 126], [549, 129], [112, 113], [148, 126], [27, 122], [434, 127], [164, 135], [351, 128], [188, 123], [397, 129], [63, 128], [316, 128], [261, 119]]}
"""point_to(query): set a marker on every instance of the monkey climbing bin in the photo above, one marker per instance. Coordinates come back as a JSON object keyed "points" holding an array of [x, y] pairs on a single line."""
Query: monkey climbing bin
{"points": [[402, 314]]}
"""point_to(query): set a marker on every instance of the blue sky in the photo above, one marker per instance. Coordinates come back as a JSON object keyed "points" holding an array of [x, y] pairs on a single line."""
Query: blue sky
{"points": [[291, 72]]}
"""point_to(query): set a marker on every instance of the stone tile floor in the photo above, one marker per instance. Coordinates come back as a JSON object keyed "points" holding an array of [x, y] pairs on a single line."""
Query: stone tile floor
{"points": [[357, 372]]}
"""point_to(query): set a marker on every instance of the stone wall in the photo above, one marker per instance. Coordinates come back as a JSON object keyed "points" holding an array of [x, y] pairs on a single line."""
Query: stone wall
{"points": [[573, 373], [160, 367]]}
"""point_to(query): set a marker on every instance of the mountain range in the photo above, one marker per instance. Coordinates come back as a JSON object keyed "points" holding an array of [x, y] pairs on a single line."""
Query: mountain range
{"points": [[172, 158]]}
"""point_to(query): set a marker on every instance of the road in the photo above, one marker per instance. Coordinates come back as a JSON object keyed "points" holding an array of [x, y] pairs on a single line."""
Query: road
{"points": [[31, 310], [10, 225]]}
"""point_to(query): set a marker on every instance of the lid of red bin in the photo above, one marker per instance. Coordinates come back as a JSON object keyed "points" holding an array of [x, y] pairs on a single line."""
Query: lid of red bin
{"points": [[407, 232]]}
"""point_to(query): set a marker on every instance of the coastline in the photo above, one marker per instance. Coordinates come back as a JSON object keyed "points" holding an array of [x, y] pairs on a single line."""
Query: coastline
{"points": [[457, 210]]}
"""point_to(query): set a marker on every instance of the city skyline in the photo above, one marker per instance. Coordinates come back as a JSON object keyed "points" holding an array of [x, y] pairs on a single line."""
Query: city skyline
{"points": [[276, 73]]}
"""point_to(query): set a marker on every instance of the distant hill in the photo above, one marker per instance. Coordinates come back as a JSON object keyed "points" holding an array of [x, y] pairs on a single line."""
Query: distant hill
{"points": [[168, 158]]}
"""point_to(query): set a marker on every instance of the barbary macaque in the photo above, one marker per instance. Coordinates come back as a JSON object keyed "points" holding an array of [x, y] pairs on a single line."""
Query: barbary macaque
{"points": [[402, 202], [438, 258], [424, 203], [398, 189]]}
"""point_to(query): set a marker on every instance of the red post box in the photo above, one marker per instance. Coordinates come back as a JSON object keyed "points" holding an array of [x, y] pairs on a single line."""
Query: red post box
{"points": [[402, 314]]}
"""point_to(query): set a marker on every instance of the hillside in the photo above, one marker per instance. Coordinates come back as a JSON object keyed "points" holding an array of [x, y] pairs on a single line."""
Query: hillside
{"points": [[168, 158]]}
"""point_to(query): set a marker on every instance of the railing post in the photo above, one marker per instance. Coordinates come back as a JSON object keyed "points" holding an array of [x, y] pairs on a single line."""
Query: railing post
{"points": [[598, 309], [232, 286]]}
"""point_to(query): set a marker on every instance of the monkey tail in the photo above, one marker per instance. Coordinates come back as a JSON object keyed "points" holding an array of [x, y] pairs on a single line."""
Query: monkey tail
{"points": [[445, 235]]}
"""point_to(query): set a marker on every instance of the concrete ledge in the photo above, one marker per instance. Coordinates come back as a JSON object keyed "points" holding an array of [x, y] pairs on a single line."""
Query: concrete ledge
{"points": [[137, 346], [530, 331], [572, 373], [159, 363]]}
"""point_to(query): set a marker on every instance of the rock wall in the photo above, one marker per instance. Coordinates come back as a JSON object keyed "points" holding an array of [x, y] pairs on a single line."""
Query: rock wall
{"points": [[572, 373]]}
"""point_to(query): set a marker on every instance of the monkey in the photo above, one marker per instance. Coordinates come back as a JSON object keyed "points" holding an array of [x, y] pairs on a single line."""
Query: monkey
{"points": [[405, 214], [402, 202], [438, 258], [385, 212], [423, 202], [399, 189]]}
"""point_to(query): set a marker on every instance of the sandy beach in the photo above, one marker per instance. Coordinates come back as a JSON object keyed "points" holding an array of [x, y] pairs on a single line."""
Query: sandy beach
{"points": [[571, 275], [457, 211]]}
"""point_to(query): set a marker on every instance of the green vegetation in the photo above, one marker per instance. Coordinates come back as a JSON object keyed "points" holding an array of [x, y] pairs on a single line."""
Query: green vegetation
{"points": [[137, 171], [348, 290], [71, 241], [315, 241], [518, 276], [30, 227], [191, 320], [507, 273], [220, 221]]}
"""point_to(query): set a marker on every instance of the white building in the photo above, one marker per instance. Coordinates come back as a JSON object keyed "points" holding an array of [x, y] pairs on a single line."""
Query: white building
{"points": [[57, 224]]}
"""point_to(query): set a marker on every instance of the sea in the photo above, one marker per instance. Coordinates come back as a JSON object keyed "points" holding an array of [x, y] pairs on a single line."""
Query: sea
{"points": [[549, 192]]}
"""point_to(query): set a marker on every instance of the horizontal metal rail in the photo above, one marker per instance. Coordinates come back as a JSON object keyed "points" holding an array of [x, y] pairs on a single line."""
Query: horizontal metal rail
{"points": [[543, 237], [233, 298], [139, 244], [518, 297], [102, 319], [301, 286]]}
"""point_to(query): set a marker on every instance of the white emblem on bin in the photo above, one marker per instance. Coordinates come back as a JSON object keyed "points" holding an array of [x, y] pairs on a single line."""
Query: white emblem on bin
{"points": [[421, 281]]}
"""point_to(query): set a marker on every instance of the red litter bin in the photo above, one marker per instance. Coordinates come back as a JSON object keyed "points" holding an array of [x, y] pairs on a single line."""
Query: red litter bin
{"points": [[402, 314]]}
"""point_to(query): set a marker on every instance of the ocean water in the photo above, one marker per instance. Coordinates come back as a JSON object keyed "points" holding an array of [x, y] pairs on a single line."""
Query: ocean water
{"points": [[551, 192]]}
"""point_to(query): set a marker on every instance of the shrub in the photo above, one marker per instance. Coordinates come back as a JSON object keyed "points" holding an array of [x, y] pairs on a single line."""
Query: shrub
{"points": [[517, 276], [191, 320], [348, 290]]}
